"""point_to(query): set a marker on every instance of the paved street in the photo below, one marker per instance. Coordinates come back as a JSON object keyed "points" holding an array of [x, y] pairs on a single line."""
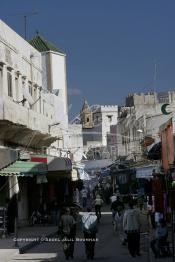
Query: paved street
{"points": [[108, 248]]}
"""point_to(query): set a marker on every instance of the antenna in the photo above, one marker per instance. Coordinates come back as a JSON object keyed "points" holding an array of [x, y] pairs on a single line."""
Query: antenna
{"points": [[155, 77], [25, 20], [155, 81]]}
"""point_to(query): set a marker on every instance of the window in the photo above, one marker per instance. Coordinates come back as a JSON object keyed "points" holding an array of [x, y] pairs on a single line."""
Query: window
{"points": [[16, 88], [9, 84], [23, 84], [109, 118], [44, 107], [87, 120], [40, 104], [30, 88]]}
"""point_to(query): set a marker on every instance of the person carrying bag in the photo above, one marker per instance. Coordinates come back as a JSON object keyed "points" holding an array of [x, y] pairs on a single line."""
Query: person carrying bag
{"points": [[89, 222]]}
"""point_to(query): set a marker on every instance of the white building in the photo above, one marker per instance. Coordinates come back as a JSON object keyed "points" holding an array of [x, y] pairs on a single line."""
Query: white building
{"points": [[54, 80], [76, 142], [96, 125], [26, 110], [141, 118]]}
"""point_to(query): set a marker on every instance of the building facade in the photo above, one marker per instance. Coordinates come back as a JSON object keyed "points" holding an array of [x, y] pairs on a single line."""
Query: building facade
{"points": [[139, 121], [96, 126], [33, 120]]}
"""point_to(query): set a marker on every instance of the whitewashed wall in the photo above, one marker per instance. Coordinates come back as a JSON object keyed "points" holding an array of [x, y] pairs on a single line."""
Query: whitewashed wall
{"points": [[76, 142], [108, 111]]}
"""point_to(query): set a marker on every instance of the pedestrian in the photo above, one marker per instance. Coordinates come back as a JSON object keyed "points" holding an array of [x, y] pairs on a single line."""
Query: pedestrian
{"points": [[66, 226], [89, 222], [55, 212], [84, 196], [107, 196], [113, 197], [116, 206], [35, 217], [98, 202], [131, 225], [74, 213], [160, 240], [119, 226], [12, 213], [140, 202]]}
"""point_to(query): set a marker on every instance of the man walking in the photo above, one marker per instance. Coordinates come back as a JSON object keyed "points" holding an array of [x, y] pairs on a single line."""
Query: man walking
{"points": [[98, 202], [67, 223], [116, 206], [131, 225], [84, 196], [89, 222]]}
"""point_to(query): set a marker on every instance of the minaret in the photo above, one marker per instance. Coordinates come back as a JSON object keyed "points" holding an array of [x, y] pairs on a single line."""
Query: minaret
{"points": [[86, 116]]}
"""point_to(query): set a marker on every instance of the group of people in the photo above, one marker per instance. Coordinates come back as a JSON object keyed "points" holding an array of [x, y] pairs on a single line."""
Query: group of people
{"points": [[128, 225], [67, 227], [70, 218]]}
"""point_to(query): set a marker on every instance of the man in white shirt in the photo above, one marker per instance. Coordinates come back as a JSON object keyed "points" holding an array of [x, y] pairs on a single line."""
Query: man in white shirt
{"points": [[131, 225], [89, 222], [113, 198]]}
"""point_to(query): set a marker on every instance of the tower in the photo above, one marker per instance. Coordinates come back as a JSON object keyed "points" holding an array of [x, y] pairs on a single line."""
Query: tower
{"points": [[86, 116]]}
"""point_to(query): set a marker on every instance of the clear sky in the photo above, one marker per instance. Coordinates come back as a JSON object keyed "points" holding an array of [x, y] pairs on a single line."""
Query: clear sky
{"points": [[111, 45]]}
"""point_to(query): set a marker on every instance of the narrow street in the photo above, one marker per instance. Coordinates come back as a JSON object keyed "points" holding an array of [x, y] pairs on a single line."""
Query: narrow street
{"points": [[87, 124], [108, 248]]}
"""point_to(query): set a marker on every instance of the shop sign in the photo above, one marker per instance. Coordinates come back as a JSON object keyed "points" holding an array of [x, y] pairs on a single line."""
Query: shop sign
{"points": [[24, 156]]}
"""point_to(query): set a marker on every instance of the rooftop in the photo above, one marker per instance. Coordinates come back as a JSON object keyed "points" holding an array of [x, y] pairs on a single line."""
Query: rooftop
{"points": [[42, 45]]}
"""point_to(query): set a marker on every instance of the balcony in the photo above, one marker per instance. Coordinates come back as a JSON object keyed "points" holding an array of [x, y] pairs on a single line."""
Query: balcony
{"points": [[22, 126]]}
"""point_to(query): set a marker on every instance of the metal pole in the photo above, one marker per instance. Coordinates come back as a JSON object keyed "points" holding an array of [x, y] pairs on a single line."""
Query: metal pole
{"points": [[25, 27]]}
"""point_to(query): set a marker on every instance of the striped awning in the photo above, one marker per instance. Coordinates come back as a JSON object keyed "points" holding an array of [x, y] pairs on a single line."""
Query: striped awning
{"points": [[24, 168]]}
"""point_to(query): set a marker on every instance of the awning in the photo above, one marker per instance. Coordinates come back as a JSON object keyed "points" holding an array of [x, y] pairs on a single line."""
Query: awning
{"points": [[59, 164], [21, 135], [155, 152], [97, 164], [24, 168], [145, 171]]}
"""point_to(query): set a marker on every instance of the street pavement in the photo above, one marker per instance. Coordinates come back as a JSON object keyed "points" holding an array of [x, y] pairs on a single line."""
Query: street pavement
{"points": [[7, 245], [108, 247]]}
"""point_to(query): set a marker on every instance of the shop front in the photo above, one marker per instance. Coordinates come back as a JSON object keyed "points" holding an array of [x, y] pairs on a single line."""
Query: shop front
{"points": [[59, 177], [22, 177], [168, 163], [7, 156], [57, 184]]}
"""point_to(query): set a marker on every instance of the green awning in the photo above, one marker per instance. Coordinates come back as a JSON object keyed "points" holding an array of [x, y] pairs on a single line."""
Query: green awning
{"points": [[24, 168]]}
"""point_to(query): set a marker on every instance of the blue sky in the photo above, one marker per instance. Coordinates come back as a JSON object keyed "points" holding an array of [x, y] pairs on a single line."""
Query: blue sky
{"points": [[111, 45]]}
